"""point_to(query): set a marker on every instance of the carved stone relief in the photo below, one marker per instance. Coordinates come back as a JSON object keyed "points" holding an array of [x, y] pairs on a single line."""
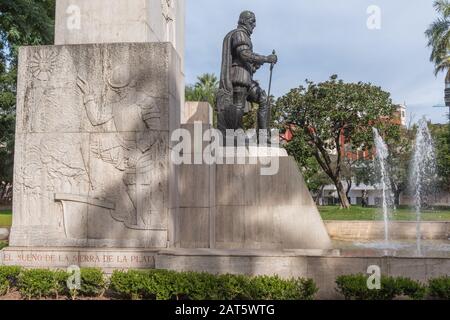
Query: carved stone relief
{"points": [[92, 153]]}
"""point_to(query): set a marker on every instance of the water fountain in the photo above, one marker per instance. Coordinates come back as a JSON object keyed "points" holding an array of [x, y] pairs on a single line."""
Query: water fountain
{"points": [[422, 176], [423, 172], [382, 154]]}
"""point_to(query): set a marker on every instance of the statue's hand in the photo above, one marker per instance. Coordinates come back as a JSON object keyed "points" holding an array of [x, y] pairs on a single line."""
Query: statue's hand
{"points": [[273, 59], [83, 85]]}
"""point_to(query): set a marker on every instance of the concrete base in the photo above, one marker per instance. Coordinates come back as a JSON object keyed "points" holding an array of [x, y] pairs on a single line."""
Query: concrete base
{"points": [[61, 258], [323, 266]]}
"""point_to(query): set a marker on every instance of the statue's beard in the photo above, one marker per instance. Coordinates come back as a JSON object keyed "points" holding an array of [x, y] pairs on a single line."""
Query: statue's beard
{"points": [[248, 28]]}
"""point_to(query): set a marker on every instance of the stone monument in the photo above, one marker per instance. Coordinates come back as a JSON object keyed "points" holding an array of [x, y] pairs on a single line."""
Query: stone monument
{"points": [[94, 184], [94, 117]]}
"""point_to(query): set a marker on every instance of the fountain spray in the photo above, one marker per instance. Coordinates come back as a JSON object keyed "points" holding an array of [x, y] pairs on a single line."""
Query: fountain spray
{"points": [[423, 173], [382, 154]]}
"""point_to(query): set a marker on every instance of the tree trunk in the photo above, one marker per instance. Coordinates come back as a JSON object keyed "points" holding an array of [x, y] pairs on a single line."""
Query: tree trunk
{"points": [[319, 195], [349, 187], [342, 195], [397, 198]]}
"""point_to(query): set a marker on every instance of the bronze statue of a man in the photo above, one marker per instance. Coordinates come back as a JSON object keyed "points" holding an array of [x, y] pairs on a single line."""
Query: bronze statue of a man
{"points": [[239, 63]]}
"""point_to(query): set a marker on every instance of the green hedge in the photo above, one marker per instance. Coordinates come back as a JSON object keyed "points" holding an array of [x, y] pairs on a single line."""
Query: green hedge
{"points": [[154, 284], [166, 285], [354, 287], [42, 283], [8, 278], [3, 244], [439, 288]]}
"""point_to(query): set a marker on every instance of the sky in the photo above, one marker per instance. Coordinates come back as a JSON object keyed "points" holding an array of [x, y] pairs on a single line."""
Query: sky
{"points": [[317, 38]]}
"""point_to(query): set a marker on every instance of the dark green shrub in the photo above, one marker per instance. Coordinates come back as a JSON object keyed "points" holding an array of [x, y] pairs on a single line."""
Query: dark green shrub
{"points": [[38, 283], [3, 244], [307, 288], [275, 288], [92, 283], [8, 278], [413, 289], [234, 287], [195, 286], [439, 288], [129, 284], [166, 285], [354, 287]]}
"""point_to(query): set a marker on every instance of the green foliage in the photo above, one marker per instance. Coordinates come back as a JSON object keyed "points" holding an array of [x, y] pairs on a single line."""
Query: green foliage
{"points": [[93, 283], [166, 285], [42, 283], [274, 288], [441, 137], [438, 35], [204, 89], [440, 288], [23, 22], [400, 154], [354, 287], [3, 244], [322, 114], [410, 288], [8, 278]]}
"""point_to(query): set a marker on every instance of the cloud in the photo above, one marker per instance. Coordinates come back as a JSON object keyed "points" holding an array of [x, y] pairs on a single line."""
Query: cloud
{"points": [[315, 39]]}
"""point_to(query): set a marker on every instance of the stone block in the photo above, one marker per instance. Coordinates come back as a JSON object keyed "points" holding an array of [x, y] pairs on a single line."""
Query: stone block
{"points": [[60, 258], [92, 164], [197, 112], [120, 21]]}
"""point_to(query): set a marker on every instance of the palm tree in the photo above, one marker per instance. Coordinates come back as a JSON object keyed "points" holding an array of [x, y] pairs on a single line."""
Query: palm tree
{"points": [[439, 40], [439, 37], [204, 89]]}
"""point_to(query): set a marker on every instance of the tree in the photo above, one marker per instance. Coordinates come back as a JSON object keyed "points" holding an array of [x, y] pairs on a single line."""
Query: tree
{"points": [[400, 154], [204, 89], [22, 22], [442, 146], [332, 114], [439, 37]]}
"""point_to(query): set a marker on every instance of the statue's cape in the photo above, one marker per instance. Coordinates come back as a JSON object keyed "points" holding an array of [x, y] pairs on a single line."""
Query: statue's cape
{"points": [[225, 93], [225, 74]]}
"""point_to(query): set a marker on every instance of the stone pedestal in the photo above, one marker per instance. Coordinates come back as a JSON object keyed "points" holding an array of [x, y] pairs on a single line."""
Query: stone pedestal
{"points": [[119, 21], [257, 200], [197, 112], [92, 162]]}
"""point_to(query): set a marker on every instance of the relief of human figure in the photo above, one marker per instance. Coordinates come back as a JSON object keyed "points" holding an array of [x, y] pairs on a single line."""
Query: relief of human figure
{"points": [[132, 114]]}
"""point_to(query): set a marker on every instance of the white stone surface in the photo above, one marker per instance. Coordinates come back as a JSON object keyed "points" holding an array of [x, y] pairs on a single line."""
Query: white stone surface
{"points": [[107, 259], [120, 21], [92, 163], [197, 112], [234, 205], [4, 233]]}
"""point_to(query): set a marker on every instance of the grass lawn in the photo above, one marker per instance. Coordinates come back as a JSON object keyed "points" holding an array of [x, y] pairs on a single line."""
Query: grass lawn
{"points": [[369, 214], [3, 244], [5, 218]]}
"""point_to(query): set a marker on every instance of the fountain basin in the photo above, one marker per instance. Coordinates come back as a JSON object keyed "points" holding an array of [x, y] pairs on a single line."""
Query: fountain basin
{"points": [[374, 230]]}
